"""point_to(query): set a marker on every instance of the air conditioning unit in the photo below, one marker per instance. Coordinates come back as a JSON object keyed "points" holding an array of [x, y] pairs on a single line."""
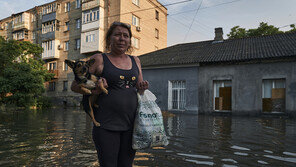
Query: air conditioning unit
{"points": [[138, 28], [60, 47]]}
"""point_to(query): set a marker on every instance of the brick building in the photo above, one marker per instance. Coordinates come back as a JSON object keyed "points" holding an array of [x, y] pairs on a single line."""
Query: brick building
{"points": [[75, 29]]}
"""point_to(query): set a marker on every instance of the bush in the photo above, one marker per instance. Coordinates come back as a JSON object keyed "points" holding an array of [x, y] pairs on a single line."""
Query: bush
{"points": [[43, 102]]}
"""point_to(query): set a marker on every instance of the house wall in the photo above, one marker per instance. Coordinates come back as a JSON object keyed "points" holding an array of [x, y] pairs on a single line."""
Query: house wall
{"points": [[246, 85], [158, 84]]}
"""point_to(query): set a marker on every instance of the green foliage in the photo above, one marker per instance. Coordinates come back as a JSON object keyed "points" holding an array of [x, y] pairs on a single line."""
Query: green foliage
{"points": [[22, 73], [237, 32], [263, 29], [43, 102]]}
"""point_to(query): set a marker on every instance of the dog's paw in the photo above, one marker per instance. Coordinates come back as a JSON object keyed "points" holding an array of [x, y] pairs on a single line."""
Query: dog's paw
{"points": [[87, 91]]}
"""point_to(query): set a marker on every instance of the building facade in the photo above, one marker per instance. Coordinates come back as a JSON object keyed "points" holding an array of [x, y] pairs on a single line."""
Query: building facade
{"points": [[249, 76], [76, 29]]}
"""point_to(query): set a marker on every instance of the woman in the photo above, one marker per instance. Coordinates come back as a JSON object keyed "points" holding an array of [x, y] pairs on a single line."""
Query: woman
{"points": [[122, 76]]}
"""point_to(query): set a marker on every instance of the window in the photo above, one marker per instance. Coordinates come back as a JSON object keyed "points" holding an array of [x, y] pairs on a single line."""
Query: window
{"points": [[77, 42], [78, 23], [18, 35], [34, 35], [65, 65], [156, 33], [269, 85], [136, 2], [33, 18], [65, 85], [273, 95], [67, 7], [78, 4], [52, 66], [51, 86], [48, 48], [66, 45], [91, 15], [176, 95], [135, 42], [48, 27], [135, 20], [156, 15], [67, 26], [59, 7], [6, 25], [90, 38], [222, 94], [49, 9]]}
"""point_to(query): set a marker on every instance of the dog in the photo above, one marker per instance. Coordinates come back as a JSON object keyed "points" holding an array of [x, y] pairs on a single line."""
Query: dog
{"points": [[87, 82]]}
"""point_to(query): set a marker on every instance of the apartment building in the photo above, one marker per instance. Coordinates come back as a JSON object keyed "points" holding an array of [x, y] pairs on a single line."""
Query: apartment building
{"points": [[76, 29]]}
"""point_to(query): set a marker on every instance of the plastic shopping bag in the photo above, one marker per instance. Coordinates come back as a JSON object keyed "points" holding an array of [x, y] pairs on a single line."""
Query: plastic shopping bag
{"points": [[148, 127]]}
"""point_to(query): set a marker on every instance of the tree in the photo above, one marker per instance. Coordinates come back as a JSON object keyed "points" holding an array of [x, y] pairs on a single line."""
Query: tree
{"points": [[237, 32], [293, 28], [22, 74], [263, 29]]}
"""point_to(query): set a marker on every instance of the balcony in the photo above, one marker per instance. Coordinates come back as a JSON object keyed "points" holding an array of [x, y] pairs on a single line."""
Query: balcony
{"points": [[21, 25], [48, 36], [55, 72], [49, 17], [89, 4], [50, 54]]}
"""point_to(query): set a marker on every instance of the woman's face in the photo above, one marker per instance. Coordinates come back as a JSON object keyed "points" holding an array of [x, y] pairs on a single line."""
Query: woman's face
{"points": [[120, 40]]}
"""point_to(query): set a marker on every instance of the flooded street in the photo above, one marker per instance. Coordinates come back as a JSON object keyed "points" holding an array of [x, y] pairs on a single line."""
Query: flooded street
{"points": [[62, 137]]}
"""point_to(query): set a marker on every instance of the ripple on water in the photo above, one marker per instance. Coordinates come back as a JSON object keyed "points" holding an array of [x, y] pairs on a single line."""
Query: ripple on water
{"points": [[229, 160], [225, 165], [240, 153], [240, 148], [195, 156], [267, 151], [289, 153], [262, 162], [293, 160], [200, 162]]}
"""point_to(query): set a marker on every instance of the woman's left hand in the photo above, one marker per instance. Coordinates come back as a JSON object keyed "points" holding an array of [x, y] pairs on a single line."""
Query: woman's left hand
{"points": [[142, 86]]}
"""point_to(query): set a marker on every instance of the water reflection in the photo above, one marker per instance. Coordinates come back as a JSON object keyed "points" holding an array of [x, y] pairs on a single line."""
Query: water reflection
{"points": [[62, 137]]}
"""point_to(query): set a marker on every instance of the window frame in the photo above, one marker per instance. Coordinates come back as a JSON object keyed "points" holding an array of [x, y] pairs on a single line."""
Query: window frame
{"points": [[136, 19], [66, 46], [136, 2], [157, 15], [78, 23], [181, 94], [156, 33], [52, 86], [78, 4], [65, 85], [77, 43], [67, 7], [134, 43]]}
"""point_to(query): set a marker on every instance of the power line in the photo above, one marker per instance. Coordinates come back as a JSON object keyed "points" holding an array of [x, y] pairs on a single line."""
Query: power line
{"points": [[193, 20], [289, 25], [188, 11]]}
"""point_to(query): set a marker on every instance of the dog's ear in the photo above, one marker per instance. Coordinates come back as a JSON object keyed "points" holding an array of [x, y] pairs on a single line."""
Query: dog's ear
{"points": [[70, 63], [90, 62]]}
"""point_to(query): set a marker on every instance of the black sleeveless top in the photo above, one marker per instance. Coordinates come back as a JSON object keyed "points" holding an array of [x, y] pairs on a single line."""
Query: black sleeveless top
{"points": [[116, 110]]}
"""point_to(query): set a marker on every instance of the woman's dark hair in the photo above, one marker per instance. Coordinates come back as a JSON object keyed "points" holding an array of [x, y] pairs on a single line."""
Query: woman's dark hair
{"points": [[111, 29]]}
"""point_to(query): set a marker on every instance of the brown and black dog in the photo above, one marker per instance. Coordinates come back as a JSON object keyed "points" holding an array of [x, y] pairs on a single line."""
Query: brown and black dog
{"points": [[87, 82]]}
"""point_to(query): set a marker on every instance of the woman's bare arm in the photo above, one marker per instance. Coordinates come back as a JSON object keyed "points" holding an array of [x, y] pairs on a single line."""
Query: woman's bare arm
{"points": [[141, 85]]}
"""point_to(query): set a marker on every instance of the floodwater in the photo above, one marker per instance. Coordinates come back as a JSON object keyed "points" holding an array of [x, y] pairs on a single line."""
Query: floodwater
{"points": [[62, 137]]}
